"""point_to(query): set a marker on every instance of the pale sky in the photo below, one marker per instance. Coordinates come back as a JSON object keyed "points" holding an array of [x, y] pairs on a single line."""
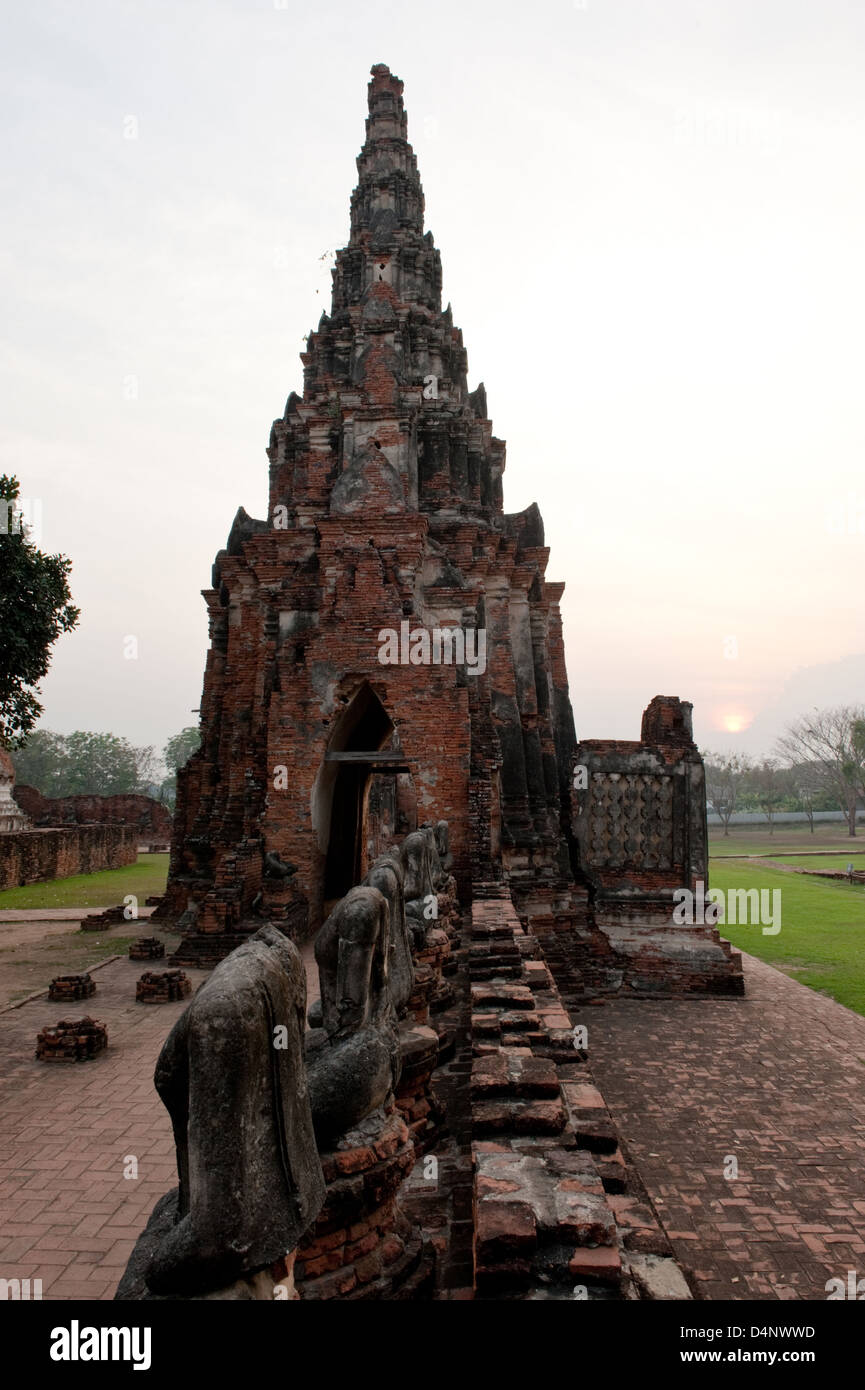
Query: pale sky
{"points": [[652, 220]]}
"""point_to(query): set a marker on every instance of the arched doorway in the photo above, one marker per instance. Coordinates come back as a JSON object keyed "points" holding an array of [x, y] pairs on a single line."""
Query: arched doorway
{"points": [[363, 746]]}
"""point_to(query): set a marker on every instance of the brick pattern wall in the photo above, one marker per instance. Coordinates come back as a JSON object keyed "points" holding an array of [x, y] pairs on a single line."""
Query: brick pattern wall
{"points": [[149, 816], [35, 856]]}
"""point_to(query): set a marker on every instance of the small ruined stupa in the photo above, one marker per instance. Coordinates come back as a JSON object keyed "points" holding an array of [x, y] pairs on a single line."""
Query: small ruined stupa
{"points": [[12, 818], [386, 649]]}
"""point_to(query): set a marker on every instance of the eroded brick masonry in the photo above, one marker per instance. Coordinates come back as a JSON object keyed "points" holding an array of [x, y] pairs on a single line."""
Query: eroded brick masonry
{"points": [[339, 710]]}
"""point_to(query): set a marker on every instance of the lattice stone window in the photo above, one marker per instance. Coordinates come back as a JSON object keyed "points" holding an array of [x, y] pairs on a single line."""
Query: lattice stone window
{"points": [[630, 820]]}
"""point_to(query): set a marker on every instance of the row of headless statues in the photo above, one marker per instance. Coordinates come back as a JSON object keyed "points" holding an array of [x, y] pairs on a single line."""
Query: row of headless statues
{"points": [[254, 1096]]}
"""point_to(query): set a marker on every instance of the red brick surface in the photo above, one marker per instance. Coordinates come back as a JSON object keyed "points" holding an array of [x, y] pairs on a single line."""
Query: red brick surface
{"points": [[67, 1214], [34, 856], [776, 1079], [149, 817]]}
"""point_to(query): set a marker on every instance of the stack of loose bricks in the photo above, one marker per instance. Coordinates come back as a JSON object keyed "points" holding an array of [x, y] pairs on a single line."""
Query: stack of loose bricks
{"points": [[99, 921], [550, 1204], [162, 986], [147, 948], [71, 1041], [64, 987]]}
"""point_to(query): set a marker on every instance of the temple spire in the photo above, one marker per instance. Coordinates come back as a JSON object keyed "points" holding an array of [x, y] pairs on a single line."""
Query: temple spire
{"points": [[388, 199], [387, 118]]}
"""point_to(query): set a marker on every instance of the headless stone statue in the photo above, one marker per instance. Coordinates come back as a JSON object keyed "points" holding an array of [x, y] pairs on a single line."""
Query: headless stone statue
{"points": [[415, 855], [443, 845], [231, 1075], [353, 1068], [442, 866], [387, 875], [419, 890], [438, 875]]}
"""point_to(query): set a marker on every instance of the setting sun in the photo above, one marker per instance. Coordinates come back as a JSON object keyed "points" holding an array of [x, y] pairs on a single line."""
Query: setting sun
{"points": [[735, 723]]}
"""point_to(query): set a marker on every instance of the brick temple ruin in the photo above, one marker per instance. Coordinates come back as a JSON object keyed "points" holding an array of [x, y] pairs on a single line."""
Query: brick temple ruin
{"points": [[389, 764], [386, 652], [37, 845]]}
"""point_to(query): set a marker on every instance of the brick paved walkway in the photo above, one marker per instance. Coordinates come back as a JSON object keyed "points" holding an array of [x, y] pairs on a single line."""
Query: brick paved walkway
{"points": [[776, 1080], [67, 1214]]}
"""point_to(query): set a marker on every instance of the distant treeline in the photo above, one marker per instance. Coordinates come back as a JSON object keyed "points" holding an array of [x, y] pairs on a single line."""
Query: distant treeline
{"points": [[88, 764], [819, 767]]}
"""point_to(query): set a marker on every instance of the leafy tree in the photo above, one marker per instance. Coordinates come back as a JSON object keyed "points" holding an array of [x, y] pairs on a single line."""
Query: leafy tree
{"points": [[811, 791], [41, 763], [35, 608], [84, 763], [726, 781], [833, 740], [857, 744], [176, 753], [179, 749], [100, 761], [770, 787]]}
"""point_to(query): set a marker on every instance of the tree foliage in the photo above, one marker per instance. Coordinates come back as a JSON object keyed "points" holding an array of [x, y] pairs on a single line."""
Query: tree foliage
{"points": [[35, 608], [83, 763], [833, 741], [176, 753], [725, 783], [180, 748], [811, 791], [770, 788]]}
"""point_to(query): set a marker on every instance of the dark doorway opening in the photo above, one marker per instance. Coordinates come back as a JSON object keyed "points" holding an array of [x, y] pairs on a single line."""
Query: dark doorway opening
{"points": [[364, 730]]}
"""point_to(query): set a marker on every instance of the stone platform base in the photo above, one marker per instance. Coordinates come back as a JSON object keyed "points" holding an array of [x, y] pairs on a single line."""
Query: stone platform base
{"points": [[558, 1212], [362, 1245], [205, 949], [673, 960], [419, 1048], [614, 956]]}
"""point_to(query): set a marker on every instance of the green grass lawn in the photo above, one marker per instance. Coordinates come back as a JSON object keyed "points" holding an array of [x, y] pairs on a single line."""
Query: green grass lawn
{"points": [[792, 839], [822, 938], [107, 888]]}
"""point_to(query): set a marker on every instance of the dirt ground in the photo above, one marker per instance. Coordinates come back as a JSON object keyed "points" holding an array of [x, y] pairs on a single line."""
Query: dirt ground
{"points": [[36, 946], [43, 944]]}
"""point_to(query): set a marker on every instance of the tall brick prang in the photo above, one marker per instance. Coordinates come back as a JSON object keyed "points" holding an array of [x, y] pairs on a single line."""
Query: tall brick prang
{"points": [[386, 652], [385, 517]]}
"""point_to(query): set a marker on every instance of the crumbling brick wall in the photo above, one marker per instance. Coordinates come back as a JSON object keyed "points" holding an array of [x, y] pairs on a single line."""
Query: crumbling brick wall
{"points": [[639, 823], [35, 856], [150, 817]]}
